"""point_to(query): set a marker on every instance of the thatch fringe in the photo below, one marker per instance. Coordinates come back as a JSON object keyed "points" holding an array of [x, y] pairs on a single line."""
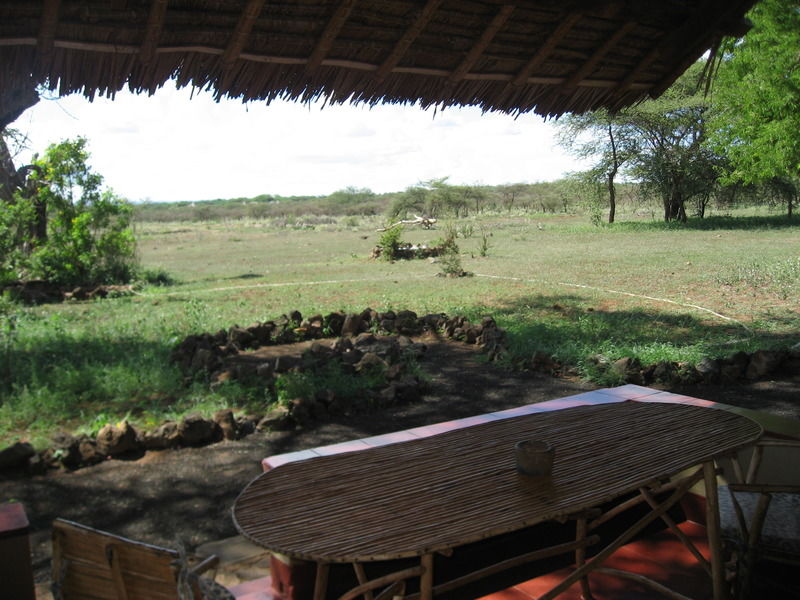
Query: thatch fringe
{"points": [[514, 57]]}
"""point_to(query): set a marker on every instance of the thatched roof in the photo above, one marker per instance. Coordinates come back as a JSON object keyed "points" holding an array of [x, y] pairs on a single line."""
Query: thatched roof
{"points": [[547, 56]]}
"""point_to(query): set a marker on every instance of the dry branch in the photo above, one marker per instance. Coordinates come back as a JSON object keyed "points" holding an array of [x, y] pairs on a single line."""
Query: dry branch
{"points": [[426, 222]]}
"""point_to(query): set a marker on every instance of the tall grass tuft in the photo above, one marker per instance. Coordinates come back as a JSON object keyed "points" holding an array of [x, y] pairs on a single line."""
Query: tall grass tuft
{"points": [[782, 277]]}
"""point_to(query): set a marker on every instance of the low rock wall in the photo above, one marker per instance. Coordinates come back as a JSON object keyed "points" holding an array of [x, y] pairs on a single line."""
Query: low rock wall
{"points": [[358, 342]]}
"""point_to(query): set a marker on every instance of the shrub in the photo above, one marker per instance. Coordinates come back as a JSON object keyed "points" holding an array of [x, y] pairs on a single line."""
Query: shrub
{"points": [[65, 228], [450, 263], [389, 242], [466, 230], [450, 260], [330, 377], [484, 245]]}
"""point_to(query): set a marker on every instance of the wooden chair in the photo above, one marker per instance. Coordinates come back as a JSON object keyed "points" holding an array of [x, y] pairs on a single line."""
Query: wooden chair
{"points": [[761, 518], [93, 565]]}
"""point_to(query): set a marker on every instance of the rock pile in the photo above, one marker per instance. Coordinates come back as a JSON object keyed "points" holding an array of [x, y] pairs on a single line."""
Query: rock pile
{"points": [[40, 292], [223, 355], [123, 439], [363, 343], [406, 251], [741, 366]]}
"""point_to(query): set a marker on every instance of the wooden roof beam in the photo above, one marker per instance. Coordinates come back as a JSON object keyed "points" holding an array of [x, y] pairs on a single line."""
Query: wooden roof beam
{"points": [[559, 5], [707, 19], [238, 39], [47, 31], [558, 34], [412, 33], [584, 70], [486, 38], [332, 29], [629, 79], [152, 32]]}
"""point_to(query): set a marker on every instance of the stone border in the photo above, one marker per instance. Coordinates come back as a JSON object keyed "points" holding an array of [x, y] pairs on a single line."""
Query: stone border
{"points": [[741, 366], [210, 353], [359, 342]]}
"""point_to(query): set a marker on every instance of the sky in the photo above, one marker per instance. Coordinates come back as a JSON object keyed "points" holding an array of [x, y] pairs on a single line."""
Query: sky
{"points": [[175, 146]]}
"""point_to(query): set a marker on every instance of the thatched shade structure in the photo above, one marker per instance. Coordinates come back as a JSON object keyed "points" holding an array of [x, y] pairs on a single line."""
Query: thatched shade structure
{"points": [[547, 56]]}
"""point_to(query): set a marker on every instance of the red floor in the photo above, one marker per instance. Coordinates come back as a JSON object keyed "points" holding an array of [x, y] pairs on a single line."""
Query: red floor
{"points": [[661, 557]]}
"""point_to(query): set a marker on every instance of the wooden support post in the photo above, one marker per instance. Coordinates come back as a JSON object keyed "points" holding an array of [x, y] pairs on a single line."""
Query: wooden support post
{"points": [[623, 539], [426, 579], [398, 577], [581, 529], [515, 561], [677, 531], [361, 575], [713, 530], [321, 580]]}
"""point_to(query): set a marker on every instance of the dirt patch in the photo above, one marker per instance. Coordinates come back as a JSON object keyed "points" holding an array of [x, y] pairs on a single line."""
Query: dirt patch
{"points": [[187, 494]]}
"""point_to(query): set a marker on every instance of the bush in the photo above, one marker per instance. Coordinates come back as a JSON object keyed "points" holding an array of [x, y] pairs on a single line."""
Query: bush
{"points": [[66, 229], [484, 245], [331, 377], [450, 263], [389, 242], [450, 260]]}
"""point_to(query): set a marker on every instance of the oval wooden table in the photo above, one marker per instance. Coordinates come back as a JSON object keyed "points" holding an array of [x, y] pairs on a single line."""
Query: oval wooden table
{"points": [[431, 495]]}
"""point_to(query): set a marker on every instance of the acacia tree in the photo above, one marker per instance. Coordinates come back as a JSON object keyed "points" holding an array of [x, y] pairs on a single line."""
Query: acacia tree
{"points": [[661, 143], [435, 198], [674, 160], [599, 134], [511, 193], [756, 120]]}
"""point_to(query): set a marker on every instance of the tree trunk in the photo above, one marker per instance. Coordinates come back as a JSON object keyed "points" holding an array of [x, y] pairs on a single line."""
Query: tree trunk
{"points": [[612, 196], [673, 208], [9, 178], [17, 180], [15, 101], [701, 207], [612, 173], [682, 212]]}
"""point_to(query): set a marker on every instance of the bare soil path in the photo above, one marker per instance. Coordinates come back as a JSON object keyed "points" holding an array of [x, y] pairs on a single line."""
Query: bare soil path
{"points": [[187, 494]]}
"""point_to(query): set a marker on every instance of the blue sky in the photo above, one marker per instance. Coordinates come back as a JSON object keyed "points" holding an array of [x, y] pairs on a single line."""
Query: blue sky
{"points": [[173, 146]]}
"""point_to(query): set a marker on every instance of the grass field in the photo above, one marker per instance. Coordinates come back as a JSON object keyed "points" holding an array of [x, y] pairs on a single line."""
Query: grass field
{"points": [[555, 283]]}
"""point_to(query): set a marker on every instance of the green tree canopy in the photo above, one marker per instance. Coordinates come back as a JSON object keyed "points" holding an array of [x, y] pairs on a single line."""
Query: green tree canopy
{"points": [[757, 95], [661, 143], [602, 136], [64, 226], [756, 121]]}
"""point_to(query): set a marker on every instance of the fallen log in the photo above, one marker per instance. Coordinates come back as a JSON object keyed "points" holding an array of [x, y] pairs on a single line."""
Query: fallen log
{"points": [[426, 222]]}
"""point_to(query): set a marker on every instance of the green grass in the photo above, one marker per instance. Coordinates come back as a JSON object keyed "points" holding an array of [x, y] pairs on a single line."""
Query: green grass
{"points": [[555, 283]]}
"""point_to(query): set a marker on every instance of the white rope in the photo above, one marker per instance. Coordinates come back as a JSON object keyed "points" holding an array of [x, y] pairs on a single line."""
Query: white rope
{"points": [[504, 277], [621, 293], [279, 284]]}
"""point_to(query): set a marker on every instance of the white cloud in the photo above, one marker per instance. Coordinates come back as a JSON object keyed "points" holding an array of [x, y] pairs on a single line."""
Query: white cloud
{"points": [[168, 147]]}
